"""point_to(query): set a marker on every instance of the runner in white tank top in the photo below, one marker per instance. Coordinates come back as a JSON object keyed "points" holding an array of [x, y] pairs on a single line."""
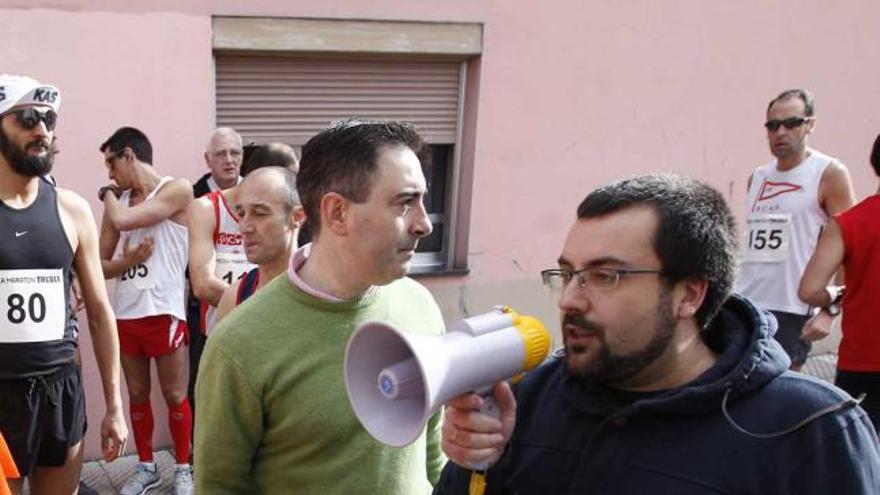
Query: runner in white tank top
{"points": [[789, 201], [781, 229], [230, 260], [145, 214], [155, 286]]}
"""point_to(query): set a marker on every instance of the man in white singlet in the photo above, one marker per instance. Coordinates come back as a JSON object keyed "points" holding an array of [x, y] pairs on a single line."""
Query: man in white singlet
{"points": [[789, 201], [145, 211]]}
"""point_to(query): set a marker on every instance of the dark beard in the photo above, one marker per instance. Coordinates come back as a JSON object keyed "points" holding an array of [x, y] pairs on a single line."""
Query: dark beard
{"points": [[21, 162], [607, 368]]}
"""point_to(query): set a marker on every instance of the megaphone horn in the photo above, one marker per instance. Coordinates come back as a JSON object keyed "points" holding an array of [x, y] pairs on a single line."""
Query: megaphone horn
{"points": [[397, 380]]}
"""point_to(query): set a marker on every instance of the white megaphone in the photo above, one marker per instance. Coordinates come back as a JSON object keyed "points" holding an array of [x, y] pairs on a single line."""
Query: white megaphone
{"points": [[396, 381]]}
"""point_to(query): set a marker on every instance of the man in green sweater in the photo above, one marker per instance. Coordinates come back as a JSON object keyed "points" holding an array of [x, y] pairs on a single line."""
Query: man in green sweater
{"points": [[273, 413]]}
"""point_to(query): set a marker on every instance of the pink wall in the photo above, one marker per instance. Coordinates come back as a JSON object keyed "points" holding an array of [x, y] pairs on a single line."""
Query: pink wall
{"points": [[572, 94]]}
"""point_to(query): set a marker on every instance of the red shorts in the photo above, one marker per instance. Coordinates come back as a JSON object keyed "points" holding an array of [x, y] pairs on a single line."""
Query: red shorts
{"points": [[151, 336]]}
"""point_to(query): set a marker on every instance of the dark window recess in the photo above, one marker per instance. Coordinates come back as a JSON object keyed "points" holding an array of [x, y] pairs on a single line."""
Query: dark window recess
{"points": [[437, 165], [434, 242]]}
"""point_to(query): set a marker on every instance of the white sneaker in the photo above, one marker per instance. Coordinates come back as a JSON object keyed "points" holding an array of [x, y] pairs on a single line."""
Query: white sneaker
{"points": [[142, 480], [183, 481]]}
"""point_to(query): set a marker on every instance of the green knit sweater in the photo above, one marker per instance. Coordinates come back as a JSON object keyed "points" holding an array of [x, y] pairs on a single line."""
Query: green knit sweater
{"points": [[273, 416]]}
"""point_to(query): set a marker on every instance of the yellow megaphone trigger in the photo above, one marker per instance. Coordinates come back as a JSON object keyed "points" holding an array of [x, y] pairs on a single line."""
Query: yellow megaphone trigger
{"points": [[517, 378], [477, 486], [536, 339]]}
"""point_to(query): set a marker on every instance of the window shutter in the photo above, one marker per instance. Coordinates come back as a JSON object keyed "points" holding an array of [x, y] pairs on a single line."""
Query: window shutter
{"points": [[290, 99]]}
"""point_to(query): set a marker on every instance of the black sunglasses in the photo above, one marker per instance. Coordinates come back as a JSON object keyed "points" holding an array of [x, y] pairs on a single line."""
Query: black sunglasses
{"points": [[29, 117], [789, 123]]}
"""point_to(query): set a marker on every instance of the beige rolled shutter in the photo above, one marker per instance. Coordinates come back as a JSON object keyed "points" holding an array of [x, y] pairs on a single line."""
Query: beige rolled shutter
{"points": [[290, 99]]}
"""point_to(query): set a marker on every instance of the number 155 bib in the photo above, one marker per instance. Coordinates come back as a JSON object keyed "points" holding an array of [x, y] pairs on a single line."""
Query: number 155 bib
{"points": [[767, 238]]}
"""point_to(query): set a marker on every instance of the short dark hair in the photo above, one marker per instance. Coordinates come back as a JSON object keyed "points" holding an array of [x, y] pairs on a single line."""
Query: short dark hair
{"points": [[271, 155], [803, 94], [875, 156], [129, 137], [342, 159], [696, 236]]}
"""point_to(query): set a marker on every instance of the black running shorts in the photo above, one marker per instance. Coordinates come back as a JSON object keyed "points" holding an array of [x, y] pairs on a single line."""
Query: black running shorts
{"points": [[41, 418]]}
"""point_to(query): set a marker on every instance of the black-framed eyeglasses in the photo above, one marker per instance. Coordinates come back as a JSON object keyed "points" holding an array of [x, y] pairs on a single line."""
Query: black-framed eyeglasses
{"points": [[598, 277], [789, 123], [29, 117]]}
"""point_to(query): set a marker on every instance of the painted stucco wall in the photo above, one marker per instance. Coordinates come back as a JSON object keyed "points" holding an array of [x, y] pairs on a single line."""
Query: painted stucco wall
{"points": [[572, 94]]}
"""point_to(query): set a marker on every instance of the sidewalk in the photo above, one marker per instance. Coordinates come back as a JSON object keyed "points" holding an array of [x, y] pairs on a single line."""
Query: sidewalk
{"points": [[108, 478]]}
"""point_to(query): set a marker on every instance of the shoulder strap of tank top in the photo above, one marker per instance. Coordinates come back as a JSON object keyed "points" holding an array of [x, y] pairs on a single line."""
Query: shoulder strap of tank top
{"points": [[155, 191], [215, 202], [222, 198], [247, 285]]}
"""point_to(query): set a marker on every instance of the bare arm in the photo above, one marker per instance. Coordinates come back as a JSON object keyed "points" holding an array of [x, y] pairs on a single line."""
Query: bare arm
{"points": [[836, 192], [205, 283], [227, 303], [836, 195], [171, 199], [102, 323], [131, 256], [825, 261]]}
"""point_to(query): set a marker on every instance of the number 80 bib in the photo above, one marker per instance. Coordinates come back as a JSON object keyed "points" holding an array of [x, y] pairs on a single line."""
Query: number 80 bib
{"points": [[32, 305]]}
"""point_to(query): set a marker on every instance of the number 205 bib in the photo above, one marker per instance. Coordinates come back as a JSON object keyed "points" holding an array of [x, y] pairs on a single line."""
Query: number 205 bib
{"points": [[767, 238], [32, 305]]}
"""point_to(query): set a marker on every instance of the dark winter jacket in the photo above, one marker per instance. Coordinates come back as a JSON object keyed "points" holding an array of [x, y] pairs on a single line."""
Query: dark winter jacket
{"points": [[746, 426]]}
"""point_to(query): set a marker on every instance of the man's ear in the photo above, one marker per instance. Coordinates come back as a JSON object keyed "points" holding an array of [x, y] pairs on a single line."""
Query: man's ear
{"points": [[334, 213], [128, 154], [296, 217], [689, 296], [207, 160]]}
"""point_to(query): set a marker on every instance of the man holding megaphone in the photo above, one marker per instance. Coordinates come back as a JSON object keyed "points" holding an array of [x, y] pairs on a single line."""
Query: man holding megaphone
{"points": [[669, 383], [273, 412]]}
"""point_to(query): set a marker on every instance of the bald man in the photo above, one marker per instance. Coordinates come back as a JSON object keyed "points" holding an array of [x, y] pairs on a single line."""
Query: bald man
{"points": [[217, 258], [270, 214]]}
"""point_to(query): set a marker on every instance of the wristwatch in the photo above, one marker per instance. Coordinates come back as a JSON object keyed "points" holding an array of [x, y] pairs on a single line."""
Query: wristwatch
{"points": [[104, 190], [836, 294]]}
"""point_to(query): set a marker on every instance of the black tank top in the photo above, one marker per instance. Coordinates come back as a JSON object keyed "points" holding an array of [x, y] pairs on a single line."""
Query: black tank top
{"points": [[35, 276]]}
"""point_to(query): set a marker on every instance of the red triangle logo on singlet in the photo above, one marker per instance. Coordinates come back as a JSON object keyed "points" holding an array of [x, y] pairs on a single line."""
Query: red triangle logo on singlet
{"points": [[772, 189]]}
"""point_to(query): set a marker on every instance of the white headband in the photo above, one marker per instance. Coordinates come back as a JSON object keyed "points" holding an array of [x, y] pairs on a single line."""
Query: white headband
{"points": [[22, 90]]}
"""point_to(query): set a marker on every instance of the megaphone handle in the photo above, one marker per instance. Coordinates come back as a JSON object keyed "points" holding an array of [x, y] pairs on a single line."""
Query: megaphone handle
{"points": [[477, 485], [489, 408]]}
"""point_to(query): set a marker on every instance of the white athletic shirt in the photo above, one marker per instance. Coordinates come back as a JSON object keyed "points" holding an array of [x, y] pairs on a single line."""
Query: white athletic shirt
{"points": [[230, 259], [156, 286], [782, 226]]}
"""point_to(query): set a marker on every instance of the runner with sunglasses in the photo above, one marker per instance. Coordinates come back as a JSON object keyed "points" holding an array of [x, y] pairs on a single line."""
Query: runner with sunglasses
{"points": [[145, 212], [46, 233], [789, 201]]}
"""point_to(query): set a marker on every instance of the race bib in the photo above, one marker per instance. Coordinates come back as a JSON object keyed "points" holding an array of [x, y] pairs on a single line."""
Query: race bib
{"points": [[230, 267], [32, 305], [136, 277], [767, 238]]}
